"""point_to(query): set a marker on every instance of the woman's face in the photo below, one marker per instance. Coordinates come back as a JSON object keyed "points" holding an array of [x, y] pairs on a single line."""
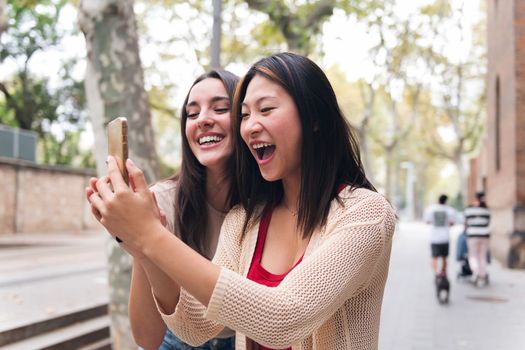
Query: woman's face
{"points": [[271, 128], [208, 123]]}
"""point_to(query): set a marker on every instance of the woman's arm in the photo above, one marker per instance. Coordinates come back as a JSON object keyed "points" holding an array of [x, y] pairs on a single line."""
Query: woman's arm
{"points": [[352, 259], [132, 216], [275, 317], [147, 326]]}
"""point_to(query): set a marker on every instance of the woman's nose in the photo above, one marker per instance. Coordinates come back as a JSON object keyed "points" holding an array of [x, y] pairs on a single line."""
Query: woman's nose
{"points": [[204, 120], [252, 125]]}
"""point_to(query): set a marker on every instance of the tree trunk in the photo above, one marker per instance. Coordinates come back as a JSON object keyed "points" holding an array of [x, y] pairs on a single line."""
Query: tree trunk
{"points": [[388, 173], [115, 88], [366, 158], [3, 16], [463, 186]]}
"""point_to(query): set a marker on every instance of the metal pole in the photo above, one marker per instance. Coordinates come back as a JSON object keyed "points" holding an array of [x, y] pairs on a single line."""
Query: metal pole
{"points": [[409, 190], [216, 35]]}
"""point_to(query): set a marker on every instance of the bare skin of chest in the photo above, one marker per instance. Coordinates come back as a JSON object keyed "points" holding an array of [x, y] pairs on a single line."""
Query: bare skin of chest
{"points": [[284, 246]]}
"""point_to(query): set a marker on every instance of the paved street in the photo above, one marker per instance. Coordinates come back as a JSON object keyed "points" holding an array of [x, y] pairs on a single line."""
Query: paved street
{"points": [[45, 276], [491, 318], [49, 275]]}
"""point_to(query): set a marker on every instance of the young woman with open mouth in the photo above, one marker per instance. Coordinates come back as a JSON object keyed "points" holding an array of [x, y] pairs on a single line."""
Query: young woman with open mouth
{"points": [[303, 260]]}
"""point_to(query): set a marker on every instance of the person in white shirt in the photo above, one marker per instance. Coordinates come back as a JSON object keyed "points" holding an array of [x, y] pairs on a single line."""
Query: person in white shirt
{"points": [[440, 216]]}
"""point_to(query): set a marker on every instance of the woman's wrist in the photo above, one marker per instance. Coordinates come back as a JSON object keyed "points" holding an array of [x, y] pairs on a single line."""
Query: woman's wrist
{"points": [[156, 235]]}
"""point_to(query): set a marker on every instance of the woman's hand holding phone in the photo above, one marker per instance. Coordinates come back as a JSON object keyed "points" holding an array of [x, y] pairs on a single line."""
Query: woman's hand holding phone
{"points": [[129, 213]]}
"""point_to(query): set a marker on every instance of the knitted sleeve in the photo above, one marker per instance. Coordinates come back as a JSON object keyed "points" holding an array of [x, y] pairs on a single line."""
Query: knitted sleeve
{"points": [[311, 293], [188, 322]]}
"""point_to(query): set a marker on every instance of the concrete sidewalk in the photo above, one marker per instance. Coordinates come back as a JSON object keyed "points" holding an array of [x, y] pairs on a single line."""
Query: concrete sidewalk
{"points": [[491, 318], [46, 275]]}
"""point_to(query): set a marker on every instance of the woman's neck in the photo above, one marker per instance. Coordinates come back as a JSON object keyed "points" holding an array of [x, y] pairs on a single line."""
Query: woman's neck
{"points": [[291, 189], [217, 189]]}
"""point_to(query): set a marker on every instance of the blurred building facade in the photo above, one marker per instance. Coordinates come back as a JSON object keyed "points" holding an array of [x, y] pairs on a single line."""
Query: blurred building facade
{"points": [[500, 168], [38, 198]]}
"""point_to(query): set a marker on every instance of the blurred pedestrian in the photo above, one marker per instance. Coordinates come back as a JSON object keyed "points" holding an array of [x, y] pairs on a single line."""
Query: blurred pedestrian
{"points": [[440, 216], [477, 221]]}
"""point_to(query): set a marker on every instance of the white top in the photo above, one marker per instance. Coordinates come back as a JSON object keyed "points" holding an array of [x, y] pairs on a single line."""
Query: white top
{"points": [[441, 217], [165, 193]]}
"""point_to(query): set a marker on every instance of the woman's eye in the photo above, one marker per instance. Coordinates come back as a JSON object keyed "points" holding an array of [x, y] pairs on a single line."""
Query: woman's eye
{"points": [[267, 109], [221, 110], [193, 115], [244, 115]]}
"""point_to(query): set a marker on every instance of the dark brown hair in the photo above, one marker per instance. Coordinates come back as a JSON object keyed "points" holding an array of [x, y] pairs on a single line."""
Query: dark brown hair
{"points": [[329, 154], [191, 219]]}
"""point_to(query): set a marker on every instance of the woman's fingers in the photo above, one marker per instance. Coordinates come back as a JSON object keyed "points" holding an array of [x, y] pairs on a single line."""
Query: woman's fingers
{"points": [[116, 176], [93, 183], [163, 219], [104, 188], [137, 177], [94, 211], [96, 203]]}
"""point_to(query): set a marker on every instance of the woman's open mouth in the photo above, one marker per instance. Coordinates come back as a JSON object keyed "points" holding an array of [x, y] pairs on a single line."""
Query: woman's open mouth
{"points": [[210, 140], [264, 151]]}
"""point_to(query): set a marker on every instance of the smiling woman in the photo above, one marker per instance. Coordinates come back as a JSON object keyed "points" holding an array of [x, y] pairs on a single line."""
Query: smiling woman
{"points": [[194, 203], [302, 262]]}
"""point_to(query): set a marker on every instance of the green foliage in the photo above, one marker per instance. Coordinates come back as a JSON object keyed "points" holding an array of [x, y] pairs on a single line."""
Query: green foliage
{"points": [[65, 150], [26, 98], [31, 27], [28, 102], [301, 24]]}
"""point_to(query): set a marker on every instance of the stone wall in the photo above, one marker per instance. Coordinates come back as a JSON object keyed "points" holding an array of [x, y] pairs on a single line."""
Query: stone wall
{"points": [[39, 199]]}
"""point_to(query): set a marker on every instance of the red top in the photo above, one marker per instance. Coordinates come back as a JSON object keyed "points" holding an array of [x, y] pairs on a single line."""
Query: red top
{"points": [[257, 272]]}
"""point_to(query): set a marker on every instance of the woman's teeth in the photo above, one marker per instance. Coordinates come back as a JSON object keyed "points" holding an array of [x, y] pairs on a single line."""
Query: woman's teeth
{"points": [[208, 139]]}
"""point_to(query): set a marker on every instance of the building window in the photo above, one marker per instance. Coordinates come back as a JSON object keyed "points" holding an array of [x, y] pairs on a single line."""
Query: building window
{"points": [[498, 125]]}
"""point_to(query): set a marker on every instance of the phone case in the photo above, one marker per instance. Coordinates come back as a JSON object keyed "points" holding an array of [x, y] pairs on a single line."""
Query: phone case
{"points": [[118, 143]]}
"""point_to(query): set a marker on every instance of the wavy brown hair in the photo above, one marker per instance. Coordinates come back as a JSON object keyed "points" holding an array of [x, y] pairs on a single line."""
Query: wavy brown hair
{"points": [[330, 153], [191, 210]]}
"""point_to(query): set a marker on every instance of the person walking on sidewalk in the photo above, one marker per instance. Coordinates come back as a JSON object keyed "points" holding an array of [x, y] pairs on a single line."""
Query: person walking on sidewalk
{"points": [[477, 220], [440, 216]]}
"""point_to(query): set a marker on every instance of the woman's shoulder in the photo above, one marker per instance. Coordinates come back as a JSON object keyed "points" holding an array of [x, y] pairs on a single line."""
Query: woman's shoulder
{"points": [[363, 206], [165, 195], [233, 224], [235, 216], [164, 187]]}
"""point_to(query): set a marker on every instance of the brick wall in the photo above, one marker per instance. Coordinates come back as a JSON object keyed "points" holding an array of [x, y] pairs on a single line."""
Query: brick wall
{"points": [[35, 198], [506, 185]]}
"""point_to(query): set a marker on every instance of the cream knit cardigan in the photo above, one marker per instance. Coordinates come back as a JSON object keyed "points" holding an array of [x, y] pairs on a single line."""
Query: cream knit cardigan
{"points": [[331, 300]]}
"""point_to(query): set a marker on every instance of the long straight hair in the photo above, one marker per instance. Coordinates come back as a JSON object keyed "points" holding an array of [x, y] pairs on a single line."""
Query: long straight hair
{"points": [[330, 153], [191, 210]]}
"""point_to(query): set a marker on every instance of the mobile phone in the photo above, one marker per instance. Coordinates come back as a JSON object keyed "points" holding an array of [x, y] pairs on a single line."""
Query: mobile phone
{"points": [[118, 143]]}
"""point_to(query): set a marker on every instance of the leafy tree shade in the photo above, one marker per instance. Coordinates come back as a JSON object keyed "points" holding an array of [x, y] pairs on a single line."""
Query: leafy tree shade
{"points": [[26, 99], [301, 25], [3, 16], [459, 91], [29, 31]]}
